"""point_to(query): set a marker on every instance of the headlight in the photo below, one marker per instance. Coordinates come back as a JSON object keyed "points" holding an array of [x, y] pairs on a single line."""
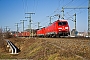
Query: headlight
{"points": [[59, 28], [66, 27]]}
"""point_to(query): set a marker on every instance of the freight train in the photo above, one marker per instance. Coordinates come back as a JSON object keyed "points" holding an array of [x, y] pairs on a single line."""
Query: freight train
{"points": [[22, 34], [56, 29]]}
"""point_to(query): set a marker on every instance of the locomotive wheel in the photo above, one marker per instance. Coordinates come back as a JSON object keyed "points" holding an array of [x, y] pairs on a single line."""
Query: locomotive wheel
{"points": [[57, 36]]}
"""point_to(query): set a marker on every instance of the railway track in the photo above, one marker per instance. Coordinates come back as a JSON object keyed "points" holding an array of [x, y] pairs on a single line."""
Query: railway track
{"points": [[72, 38]]}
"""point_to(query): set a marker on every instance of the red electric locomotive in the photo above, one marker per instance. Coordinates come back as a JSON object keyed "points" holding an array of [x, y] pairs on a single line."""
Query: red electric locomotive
{"points": [[56, 29], [41, 32]]}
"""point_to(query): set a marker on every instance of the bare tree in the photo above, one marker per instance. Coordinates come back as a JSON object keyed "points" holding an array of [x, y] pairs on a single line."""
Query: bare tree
{"points": [[2, 42]]}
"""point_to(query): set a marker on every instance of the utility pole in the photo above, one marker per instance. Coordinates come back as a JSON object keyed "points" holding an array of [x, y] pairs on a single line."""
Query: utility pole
{"points": [[17, 28], [88, 14], [6, 28], [75, 20], [89, 18], [9, 29], [39, 25], [29, 20], [23, 23], [50, 19], [58, 16], [62, 13]]}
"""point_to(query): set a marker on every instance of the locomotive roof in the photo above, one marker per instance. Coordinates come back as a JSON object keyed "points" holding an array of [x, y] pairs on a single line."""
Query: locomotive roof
{"points": [[61, 20]]}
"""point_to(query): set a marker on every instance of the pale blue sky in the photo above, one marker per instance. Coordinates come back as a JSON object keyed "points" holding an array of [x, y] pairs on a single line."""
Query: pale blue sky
{"points": [[12, 11]]}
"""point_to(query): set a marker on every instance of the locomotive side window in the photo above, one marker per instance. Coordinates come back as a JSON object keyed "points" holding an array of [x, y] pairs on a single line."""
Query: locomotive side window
{"points": [[62, 23]]}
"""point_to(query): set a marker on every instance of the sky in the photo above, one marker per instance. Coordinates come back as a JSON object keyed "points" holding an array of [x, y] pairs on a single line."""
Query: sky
{"points": [[12, 11]]}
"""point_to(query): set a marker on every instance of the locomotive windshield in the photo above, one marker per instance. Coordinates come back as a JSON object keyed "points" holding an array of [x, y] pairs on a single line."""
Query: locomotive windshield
{"points": [[62, 23]]}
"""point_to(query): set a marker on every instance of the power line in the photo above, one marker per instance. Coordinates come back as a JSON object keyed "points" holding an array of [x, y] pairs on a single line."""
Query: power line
{"points": [[78, 2], [25, 4], [34, 5], [68, 3]]}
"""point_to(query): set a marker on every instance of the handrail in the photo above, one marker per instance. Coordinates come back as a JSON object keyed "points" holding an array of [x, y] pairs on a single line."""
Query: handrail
{"points": [[12, 46]]}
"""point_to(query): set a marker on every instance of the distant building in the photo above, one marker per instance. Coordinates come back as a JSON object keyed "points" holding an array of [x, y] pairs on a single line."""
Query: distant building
{"points": [[82, 34], [74, 32]]}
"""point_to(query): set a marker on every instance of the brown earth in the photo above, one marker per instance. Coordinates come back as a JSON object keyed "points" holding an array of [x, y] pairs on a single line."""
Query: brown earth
{"points": [[49, 49]]}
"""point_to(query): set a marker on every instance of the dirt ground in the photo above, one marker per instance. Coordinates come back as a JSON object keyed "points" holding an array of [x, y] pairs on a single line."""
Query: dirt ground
{"points": [[49, 49]]}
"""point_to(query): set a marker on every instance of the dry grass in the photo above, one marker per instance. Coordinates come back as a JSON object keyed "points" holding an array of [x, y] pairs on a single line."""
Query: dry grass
{"points": [[2, 47], [2, 43], [78, 48], [7, 35], [41, 49]]}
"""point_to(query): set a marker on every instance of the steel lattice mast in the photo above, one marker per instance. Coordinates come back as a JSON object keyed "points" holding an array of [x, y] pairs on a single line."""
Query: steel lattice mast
{"points": [[89, 18]]}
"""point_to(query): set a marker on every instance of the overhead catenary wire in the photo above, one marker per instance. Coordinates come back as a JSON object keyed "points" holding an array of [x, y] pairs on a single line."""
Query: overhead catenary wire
{"points": [[68, 3], [57, 10], [25, 5], [53, 13], [36, 5], [59, 4], [43, 20], [76, 10]]}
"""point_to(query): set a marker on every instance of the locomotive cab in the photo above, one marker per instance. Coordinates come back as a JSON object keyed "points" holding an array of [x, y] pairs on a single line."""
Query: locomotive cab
{"points": [[63, 28]]}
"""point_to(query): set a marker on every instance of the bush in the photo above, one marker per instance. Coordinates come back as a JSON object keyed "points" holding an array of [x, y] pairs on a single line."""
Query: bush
{"points": [[7, 35], [2, 42]]}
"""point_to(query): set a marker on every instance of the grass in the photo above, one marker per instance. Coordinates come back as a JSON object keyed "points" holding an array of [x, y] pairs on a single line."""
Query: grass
{"points": [[70, 58], [53, 57], [41, 50], [31, 47], [34, 51], [5, 56]]}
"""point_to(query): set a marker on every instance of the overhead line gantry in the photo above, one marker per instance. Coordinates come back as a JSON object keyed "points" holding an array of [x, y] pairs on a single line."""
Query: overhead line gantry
{"points": [[75, 15], [29, 20]]}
